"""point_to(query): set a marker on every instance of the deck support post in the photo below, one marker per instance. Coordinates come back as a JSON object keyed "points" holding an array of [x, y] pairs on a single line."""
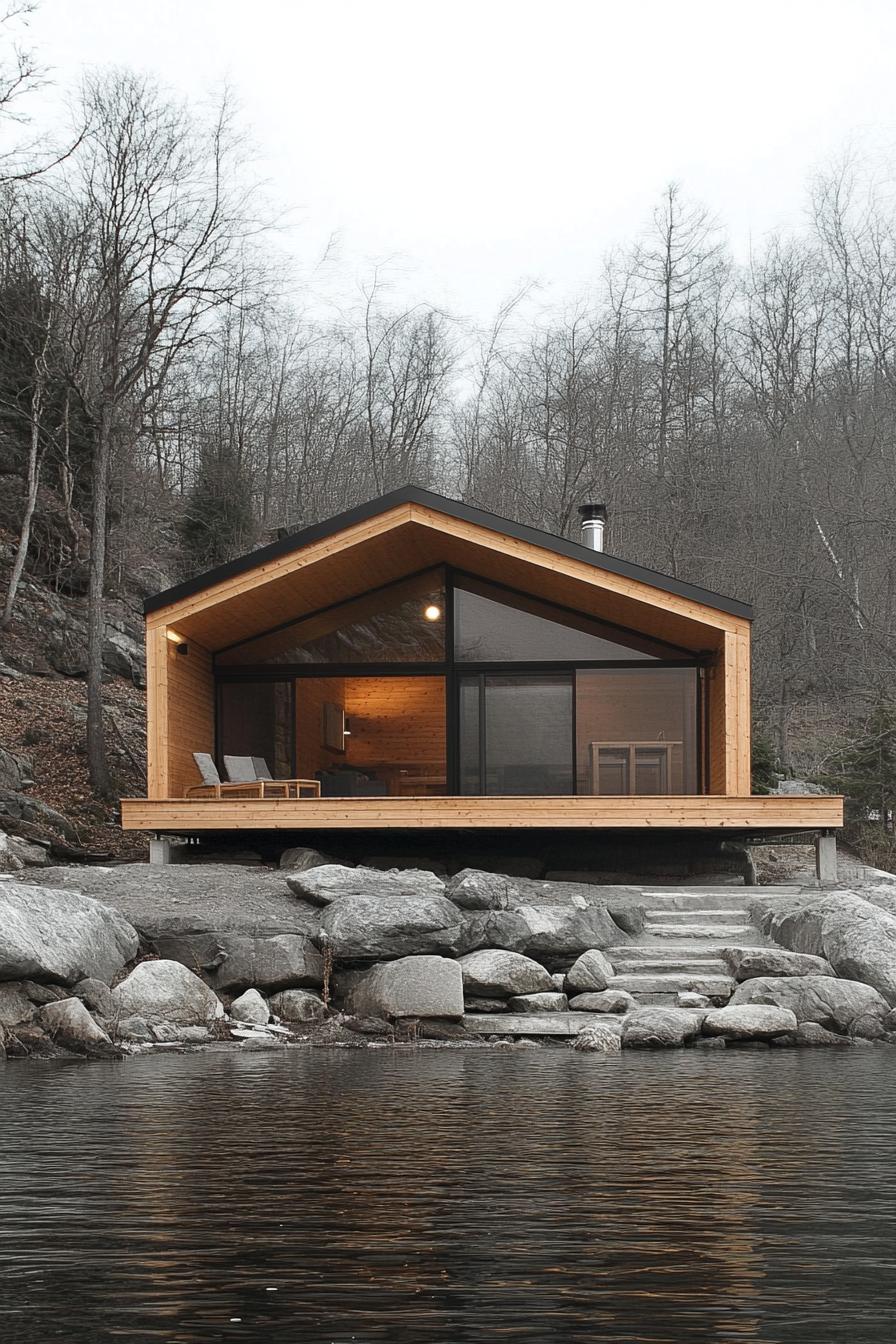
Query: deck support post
{"points": [[826, 857], [160, 850]]}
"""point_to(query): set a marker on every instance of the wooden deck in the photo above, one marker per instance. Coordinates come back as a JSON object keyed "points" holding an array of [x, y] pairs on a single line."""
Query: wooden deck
{"points": [[706, 812]]}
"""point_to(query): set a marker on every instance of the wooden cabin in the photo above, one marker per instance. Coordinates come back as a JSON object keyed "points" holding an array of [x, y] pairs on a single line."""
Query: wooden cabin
{"points": [[419, 663]]}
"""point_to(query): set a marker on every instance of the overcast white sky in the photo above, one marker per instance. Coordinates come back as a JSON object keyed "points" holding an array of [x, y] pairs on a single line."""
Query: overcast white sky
{"points": [[475, 145]]}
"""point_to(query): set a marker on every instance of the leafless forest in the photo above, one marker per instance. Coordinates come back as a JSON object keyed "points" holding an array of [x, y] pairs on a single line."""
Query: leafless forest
{"points": [[163, 407]]}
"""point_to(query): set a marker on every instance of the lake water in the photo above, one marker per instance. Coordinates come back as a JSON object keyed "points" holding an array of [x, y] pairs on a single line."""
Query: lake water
{"points": [[451, 1196]]}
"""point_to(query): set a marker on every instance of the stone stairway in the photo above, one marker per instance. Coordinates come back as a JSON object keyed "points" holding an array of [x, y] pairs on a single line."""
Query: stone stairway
{"points": [[681, 946]]}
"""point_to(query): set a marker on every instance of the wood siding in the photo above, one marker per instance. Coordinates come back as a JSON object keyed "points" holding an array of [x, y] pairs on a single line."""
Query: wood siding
{"points": [[401, 541], [189, 694]]}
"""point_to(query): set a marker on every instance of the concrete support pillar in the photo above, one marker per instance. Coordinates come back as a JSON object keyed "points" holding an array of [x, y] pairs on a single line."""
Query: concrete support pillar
{"points": [[826, 857], [160, 850]]}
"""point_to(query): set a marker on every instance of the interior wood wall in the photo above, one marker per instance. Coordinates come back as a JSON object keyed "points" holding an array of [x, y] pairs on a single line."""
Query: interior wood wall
{"points": [[396, 720], [312, 693]]}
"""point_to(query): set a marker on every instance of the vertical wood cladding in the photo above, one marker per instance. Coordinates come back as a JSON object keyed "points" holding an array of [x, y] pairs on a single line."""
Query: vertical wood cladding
{"points": [[191, 713]]}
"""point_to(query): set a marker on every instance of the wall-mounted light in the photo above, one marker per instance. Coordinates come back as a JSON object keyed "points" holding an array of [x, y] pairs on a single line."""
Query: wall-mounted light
{"points": [[432, 612], [180, 644]]}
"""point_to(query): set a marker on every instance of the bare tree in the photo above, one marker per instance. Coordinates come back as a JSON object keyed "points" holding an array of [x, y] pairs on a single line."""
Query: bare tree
{"points": [[164, 226]]}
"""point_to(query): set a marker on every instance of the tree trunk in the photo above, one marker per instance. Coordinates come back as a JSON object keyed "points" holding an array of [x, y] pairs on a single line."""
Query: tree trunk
{"points": [[96, 615], [34, 465]]}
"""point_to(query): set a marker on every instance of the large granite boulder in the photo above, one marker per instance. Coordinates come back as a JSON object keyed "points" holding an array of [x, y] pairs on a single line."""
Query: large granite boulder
{"points": [[747, 963], [423, 986], [251, 1007], [241, 960], [659, 1029], [835, 1004], [298, 1005], [68, 1023], [494, 973], [553, 932], [165, 991], [49, 934], [334, 881], [749, 1022], [473, 889], [857, 937], [589, 973], [383, 925]]}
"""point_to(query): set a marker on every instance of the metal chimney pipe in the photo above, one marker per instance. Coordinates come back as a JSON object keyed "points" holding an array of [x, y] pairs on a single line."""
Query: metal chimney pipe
{"points": [[594, 522]]}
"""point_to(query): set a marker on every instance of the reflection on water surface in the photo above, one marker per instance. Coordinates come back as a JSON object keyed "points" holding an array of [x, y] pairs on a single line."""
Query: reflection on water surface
{"points": [[450, 1196]]}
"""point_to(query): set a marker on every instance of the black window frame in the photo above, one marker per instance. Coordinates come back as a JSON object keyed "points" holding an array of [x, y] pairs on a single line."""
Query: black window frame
{"points": [[453, 670]]}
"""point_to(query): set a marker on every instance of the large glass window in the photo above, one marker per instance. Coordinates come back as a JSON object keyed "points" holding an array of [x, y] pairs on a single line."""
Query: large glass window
{"points": [[492, 625], [516, 735], [404, 623], [255, 718], [636, 730]]}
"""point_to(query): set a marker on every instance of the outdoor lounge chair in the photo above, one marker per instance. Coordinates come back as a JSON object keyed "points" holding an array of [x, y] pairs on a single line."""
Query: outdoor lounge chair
{"points": [[213, 786], [252, 771]]}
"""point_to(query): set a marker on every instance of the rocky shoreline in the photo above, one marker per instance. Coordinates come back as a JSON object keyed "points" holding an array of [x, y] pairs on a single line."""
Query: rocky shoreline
{"points": [[110, 962]]}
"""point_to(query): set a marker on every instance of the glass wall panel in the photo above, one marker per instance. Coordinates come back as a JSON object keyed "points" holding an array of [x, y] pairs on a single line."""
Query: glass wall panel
{"points": [[523, 745], [404, 623], [468, 743], [494, 626], [636, 730], [255, 718]]}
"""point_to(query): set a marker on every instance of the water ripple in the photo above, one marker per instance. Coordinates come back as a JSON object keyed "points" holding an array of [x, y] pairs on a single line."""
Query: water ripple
{"points": [[450, 1196]]}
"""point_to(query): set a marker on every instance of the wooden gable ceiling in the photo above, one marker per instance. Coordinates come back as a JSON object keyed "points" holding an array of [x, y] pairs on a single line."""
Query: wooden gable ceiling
{"points": [[409, 537]]}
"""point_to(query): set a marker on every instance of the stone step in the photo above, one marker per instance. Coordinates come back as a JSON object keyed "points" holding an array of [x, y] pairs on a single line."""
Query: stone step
{"points": [[676, 949], [673, 966], [730, 932], [691, 900], [733, 915], [673, 982], [537, 1024]]}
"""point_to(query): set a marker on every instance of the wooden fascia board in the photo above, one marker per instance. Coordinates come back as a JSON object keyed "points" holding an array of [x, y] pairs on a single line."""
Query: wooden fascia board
{"points": [[274, 569], [603, 580]]}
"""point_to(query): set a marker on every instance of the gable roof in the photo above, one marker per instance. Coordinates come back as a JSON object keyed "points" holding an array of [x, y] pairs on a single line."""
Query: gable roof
{"points": [[452, 508]]}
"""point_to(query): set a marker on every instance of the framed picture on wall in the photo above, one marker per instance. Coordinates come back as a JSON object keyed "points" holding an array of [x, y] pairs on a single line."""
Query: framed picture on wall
{"points": [[333, 727]]}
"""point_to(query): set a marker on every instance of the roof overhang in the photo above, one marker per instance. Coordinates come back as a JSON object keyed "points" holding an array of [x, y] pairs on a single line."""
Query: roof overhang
{"points": [[411, 529]]}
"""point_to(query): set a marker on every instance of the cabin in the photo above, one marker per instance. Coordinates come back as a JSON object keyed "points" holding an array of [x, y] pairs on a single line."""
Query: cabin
{"points": [[419, 664]]}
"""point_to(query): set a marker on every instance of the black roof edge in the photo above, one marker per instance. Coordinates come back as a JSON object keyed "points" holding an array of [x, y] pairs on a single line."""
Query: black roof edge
{"points": [[413, 494]]}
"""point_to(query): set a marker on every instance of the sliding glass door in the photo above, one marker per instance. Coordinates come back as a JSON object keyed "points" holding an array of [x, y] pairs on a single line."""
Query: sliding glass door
{"points": [[516, 734]]}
